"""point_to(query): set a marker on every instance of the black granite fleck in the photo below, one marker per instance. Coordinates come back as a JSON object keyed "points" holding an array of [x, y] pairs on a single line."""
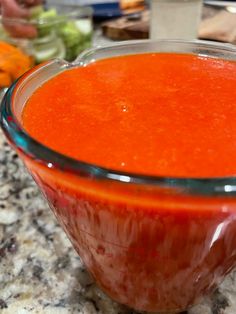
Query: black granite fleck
{"points": [[62, 262], [37, 271], [219, 302], [3, 304]]}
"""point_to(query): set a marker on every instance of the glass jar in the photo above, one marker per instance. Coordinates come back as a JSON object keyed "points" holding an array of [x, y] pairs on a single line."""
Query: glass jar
{"points": [[175, 19]]}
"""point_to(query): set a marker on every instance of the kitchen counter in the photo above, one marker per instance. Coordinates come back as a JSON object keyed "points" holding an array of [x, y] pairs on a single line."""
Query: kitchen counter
{"points": [[39, 270]]}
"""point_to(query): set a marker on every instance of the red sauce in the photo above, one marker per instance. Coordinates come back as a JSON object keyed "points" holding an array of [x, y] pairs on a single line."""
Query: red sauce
{"points": [[158, 114]]}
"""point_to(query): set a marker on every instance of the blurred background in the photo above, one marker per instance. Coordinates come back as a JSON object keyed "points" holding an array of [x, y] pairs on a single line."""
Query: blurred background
{"points": [[35, 31]]}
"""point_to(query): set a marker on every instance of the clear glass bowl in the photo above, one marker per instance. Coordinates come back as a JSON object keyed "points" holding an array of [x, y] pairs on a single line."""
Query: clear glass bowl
{"points": [[152, 243], [63, 31]]}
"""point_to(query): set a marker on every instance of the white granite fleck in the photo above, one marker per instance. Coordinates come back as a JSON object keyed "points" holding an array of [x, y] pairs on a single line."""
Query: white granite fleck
{"points": [[8, 217]]}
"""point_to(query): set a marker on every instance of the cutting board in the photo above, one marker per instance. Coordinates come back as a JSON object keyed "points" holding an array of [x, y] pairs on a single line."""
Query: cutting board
{"points": [[128, 27]]}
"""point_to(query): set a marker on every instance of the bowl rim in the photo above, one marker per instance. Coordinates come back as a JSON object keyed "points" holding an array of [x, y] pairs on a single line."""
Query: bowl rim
{"points": [[24, 143]]}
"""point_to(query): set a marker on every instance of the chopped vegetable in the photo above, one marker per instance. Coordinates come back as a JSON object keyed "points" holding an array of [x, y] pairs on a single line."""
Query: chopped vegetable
{"points": [[45, 22], [5, 79], [35, 11], [13, 63], [84, 26], [74, 33], [56, 49]]}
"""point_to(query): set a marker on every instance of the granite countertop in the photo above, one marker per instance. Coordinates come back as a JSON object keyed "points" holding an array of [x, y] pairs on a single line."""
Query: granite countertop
{"points": [[39, 270]]}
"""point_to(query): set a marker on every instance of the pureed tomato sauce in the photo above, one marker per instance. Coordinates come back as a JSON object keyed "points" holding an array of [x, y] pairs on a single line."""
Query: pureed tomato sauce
{"points": [[158, 114]]}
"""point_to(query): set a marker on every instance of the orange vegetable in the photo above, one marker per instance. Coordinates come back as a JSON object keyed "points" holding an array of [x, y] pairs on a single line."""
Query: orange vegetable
{"points": [[5, 79], [13, 63]]}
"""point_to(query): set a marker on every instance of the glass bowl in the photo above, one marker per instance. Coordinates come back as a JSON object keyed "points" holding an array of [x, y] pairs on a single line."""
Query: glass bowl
{"points": [[156, 244], [63, 31]]}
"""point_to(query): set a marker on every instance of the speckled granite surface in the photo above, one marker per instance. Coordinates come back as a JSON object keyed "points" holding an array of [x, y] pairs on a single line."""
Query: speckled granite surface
{"points": [[39, 270]]}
